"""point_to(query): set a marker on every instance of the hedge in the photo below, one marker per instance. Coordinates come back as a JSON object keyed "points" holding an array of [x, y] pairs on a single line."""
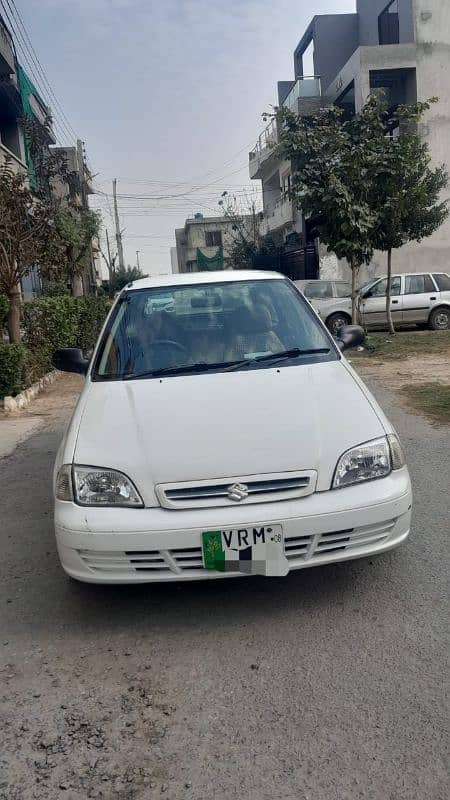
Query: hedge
{"points": [[12, 369], [52, 322]]}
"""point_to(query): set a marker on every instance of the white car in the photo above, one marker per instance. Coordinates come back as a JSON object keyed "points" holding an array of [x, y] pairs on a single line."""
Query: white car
{"points": [[226, 437], [416, 299]]}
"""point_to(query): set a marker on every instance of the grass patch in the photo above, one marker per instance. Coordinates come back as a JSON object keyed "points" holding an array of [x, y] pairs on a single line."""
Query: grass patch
{"points": [[404, 344], [432, 399]]}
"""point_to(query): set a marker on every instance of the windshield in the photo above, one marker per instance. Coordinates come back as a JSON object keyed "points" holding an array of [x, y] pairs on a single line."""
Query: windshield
{"points": [[211, 326], [366, 286]]}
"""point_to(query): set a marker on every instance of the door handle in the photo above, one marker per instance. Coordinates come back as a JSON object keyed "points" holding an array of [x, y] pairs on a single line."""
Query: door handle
{"points": [[394, 302], [432, 298]]}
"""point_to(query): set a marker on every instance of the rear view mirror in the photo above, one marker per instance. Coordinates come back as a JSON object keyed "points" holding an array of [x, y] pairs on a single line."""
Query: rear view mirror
{"points": [[350, 336], [70, 359]]}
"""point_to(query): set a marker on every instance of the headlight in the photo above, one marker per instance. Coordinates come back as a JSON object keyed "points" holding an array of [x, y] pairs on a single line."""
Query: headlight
{"points": [[367, 462], [94, 486]]}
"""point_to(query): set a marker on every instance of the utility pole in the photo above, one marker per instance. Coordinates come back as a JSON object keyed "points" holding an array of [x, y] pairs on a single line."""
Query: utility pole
{"points": [[137, 259], [118, 231], [110, 263]]}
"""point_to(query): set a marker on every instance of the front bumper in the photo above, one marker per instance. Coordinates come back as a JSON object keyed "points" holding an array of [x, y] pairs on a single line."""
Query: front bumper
{"points": [[142, 545]]}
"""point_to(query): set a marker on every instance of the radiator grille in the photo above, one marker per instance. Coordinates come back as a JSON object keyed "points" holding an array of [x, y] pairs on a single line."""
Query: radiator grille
{"points": [[250, 489]]}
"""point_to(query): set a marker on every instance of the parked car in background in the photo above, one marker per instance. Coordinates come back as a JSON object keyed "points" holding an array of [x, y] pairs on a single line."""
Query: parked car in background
{"points": [[316, 291], [206, 444], [416, 299]]}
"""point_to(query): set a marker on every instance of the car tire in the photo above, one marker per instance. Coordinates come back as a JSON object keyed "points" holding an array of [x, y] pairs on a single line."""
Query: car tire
{"points": [[336, 321], [440, 319]]}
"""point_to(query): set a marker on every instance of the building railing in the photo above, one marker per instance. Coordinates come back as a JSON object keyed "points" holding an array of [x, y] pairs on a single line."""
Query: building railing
{"points": [[267, 139], [15, 163], [303, 88]]}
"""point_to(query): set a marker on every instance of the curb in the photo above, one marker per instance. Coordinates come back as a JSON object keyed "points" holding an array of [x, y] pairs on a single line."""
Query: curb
{"points": [[24, 399]]}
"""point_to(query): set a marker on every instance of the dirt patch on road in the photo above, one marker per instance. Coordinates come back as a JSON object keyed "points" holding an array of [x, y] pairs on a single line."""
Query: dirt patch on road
{"points": [[58, 399], [394, 374], [53, 405]]}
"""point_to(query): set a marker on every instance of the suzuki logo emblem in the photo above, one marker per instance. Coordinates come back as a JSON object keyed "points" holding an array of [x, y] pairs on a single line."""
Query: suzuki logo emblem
{"points": [[237, 492]]}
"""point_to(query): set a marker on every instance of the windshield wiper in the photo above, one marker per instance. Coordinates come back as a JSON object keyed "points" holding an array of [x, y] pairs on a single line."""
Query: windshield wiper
{"points": [[201, 366], [280, 356], [225, 366]]}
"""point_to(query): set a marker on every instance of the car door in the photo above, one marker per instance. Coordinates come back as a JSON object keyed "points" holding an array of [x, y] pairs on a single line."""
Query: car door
{"points": [[373, 303], [420, 295]]}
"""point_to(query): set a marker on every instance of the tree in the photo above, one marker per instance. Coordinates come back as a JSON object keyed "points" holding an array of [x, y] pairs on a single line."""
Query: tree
{"points": [[25, 231], [406, 197], [246, 242], [123, 276], [68, 254], [334, 163], [361, 187], [74, 230]]}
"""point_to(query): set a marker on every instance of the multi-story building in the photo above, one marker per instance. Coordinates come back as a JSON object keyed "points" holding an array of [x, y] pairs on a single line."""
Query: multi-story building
{"points": [[205, 243], [12, 145], [19, 98], [402, 46]]}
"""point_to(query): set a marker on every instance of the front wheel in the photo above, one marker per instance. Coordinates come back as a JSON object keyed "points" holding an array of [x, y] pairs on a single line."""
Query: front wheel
{"points": [[440, 319], [336, 322]]}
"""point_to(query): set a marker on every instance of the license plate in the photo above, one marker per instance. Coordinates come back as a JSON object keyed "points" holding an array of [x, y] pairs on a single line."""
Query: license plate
{"points": [[255, 550]]}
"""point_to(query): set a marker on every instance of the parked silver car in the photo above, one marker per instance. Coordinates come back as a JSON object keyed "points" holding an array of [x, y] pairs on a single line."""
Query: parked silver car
{"points": [[316, 291], [416, 299]]}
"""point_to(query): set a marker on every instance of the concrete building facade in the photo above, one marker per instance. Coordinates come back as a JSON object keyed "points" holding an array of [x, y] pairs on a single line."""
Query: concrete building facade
{"points": [[206, 242], [12, 145], [402, 46]]}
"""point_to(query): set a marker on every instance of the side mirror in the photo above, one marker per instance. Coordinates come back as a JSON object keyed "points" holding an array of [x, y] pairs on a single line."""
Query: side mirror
{"points": [[70, 359], [350, 336]]}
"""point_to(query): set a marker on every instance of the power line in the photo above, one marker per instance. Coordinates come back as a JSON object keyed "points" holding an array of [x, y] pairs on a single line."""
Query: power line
{"points": [[40, 67], [21, 43], [171, 196]]}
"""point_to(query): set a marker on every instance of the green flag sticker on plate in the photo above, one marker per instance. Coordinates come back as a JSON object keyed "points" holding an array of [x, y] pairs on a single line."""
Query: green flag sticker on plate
{"points": [[255, 550]]}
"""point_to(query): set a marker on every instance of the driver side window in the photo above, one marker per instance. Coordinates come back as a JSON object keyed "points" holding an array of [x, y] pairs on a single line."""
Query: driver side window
{"points": [[379, 290]]}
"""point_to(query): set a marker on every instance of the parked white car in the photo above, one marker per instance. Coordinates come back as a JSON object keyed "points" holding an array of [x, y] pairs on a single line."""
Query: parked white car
{"points": [[316, 291], [416, 299], [227, 436]]}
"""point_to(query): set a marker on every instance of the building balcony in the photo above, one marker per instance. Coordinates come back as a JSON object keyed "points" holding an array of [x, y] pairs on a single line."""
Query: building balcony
{"points": [[281, 215], [7, 62], [305, 96], [15, 164], [263, 150]]}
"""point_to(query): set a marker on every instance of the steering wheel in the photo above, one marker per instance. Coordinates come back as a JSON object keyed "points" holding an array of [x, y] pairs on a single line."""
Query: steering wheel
{"points": [[170, 342]]}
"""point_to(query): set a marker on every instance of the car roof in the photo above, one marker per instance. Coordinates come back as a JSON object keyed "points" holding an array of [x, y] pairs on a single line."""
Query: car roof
{"points": [[322, 280], [193, 278]]}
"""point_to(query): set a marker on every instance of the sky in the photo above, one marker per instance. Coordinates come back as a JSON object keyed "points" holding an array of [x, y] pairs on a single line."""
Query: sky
{"points": [[168, 96]]}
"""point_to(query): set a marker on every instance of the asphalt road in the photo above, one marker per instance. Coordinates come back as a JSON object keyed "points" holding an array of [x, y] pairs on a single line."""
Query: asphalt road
{"points": [[329, 684]]}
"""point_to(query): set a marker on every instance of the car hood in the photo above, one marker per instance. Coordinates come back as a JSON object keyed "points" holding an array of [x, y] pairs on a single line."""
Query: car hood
{"points": [[230, 424]]}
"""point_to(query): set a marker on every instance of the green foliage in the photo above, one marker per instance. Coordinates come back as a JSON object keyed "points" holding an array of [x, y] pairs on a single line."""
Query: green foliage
{"points": [[49, 323], [333, 166], [53, 322], [12, 363], [406, 195], [124, 276], [4, 305], [246, 243], [73, 232], [359, 187], [55, 289], [91, 316]]}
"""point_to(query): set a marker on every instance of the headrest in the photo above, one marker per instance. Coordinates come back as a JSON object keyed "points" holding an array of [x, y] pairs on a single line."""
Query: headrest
{"points": [[251, 320]]}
